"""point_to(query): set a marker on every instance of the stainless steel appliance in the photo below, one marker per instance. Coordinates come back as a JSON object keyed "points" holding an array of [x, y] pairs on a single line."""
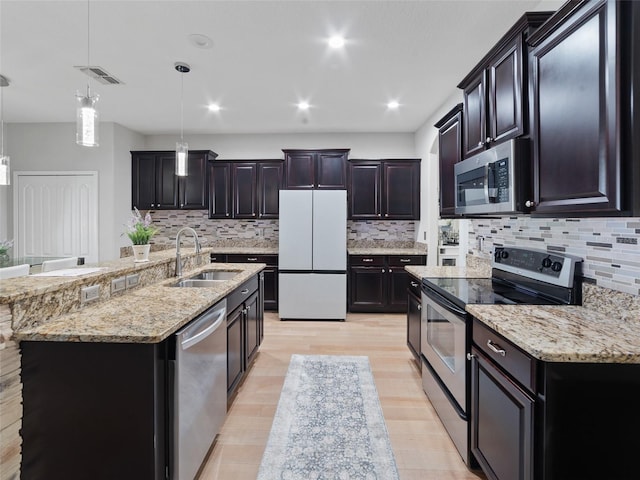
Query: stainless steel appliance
{"points": [[494, 181], [519, 276], [312, 244], [200, 389]]}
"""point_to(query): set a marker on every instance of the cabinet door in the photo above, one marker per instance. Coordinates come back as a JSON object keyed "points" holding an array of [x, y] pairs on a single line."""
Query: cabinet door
{"points": [[270, 289], [143, 181], [167, 182], [235, 349], [331, 170], [450, 153], [219, 190], [365, 183], [244, 188], [398, 283], [252, 327], [414, 311], [300, 170], [575, 127], [501, 423], [193, 187], [367, 289], [475, 132], [269, 184], [505, 94], [401, 191]]}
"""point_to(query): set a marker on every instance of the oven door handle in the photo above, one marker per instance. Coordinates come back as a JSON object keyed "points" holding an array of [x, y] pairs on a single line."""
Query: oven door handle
{"points": [[444, 302]]}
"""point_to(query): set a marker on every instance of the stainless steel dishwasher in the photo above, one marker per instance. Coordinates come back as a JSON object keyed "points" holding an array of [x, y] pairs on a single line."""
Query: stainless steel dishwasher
{"points": [[199, 390]]}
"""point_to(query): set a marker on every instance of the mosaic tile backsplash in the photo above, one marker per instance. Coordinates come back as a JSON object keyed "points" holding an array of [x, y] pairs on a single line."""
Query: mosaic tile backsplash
{"points": [[264, 231], [609, 246]]}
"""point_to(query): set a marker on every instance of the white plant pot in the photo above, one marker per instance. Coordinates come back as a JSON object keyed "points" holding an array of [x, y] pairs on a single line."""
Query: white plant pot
{"points": [[141, 253]]}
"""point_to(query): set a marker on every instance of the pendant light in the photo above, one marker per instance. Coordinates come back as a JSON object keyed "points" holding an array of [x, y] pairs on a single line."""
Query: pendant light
{"points": [[87, 117], [182, 149], [5, 173]]}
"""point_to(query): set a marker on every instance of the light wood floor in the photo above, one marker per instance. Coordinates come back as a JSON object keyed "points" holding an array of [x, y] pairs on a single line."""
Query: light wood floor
{"points": [[420, 444]]}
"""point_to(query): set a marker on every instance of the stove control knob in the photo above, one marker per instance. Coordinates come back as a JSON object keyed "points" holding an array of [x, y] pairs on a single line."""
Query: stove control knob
{"points": [[556, 266], [504, 254], [546, 263]]}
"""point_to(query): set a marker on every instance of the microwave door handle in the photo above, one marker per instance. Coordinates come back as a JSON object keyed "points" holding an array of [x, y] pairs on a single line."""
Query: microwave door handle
{"points": [[486, 184]]}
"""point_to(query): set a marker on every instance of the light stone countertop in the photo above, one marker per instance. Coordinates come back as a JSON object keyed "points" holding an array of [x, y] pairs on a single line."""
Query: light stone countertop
{"points": [[145, 315], [421, 271], [564, 333]]}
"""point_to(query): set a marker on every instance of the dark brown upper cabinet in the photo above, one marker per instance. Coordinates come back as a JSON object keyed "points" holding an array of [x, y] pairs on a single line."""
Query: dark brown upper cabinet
{"points": [[384, 189], [244, 189], [495, 93], [585, 119], [316, 169], [154, 184], [449, 153]]}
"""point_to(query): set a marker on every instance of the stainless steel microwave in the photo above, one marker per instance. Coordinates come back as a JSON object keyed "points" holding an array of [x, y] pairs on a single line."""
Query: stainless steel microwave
{"points": [[495, 181]]}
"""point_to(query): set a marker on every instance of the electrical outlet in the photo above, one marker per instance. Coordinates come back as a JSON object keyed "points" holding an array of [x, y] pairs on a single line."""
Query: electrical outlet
{"points": [[118, 284], [133, 280], [89, 294]]}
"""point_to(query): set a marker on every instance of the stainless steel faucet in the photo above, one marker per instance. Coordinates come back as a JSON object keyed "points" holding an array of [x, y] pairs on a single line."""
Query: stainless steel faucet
{"points": [[197, 242]]}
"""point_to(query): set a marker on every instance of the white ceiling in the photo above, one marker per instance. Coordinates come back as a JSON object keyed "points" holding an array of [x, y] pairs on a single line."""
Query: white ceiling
{"points": [[267, 55]]}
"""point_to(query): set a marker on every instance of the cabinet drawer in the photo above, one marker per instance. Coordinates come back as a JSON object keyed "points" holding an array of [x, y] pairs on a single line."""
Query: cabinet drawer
{"points": [[241, 293], [414, 286], [402, 260], [505, 354], [271, 260], [366, 260]]}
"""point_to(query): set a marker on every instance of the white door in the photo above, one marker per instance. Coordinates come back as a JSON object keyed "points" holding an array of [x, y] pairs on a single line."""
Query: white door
{"points": [[56, 214]]}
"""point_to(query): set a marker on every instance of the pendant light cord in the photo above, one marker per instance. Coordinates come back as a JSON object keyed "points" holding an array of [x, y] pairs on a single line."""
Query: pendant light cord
{"points": [[182, 107], [88, 48]]}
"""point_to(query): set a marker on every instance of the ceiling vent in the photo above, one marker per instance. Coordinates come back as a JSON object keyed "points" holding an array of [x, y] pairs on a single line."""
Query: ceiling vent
{"points": [[99, 74]]}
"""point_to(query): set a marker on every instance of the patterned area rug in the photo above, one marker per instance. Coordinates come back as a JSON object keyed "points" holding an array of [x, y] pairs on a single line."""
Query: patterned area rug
{"points": [[329, 424]]}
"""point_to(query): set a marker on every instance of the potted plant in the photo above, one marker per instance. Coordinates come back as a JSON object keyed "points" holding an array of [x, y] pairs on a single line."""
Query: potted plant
{"points": [[140, 231], [5, 245]]}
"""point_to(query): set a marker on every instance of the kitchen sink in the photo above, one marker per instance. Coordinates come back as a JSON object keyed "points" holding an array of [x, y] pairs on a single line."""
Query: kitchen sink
{"points": [[215, 275], [207, 279]]}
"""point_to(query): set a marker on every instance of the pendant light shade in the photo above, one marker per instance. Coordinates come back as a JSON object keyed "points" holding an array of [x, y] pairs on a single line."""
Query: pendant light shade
{"points": [[5, 171], [87, 117], [182, 149]]}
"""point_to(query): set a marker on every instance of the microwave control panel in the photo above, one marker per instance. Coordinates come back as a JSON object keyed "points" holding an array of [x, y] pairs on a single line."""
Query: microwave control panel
{"points": [[500, 187]]}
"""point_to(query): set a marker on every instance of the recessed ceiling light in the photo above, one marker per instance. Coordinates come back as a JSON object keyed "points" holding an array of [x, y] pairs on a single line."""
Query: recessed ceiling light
{"points": [[337, 41], [303, 106], [214, 107], [393, 105], [200, 41]]}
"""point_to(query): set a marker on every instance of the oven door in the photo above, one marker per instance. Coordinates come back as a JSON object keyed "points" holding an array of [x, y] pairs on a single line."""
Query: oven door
{"points": [[444, 344]]}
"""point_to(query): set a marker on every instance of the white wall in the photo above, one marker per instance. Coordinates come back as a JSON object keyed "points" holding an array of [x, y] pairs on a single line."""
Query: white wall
{"points": [[52, 147], [264, 146], [426, 146]]}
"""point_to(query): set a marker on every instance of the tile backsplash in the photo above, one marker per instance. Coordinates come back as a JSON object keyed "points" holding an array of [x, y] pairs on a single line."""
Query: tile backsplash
{"points": [[265, 231], [609, 246]]}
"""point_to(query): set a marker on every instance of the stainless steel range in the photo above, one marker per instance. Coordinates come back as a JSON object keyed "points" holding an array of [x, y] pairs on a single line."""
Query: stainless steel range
{"points": [[518, 276]]}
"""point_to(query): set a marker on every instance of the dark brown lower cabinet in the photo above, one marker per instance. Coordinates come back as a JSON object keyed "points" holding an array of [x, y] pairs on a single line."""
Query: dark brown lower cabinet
{"points": [[235, 349], [414, 312], [378, 283], [532, 419]]}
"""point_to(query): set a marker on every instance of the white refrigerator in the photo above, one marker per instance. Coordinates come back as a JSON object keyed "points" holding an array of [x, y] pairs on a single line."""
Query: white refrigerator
{"points": [[312, 262]]}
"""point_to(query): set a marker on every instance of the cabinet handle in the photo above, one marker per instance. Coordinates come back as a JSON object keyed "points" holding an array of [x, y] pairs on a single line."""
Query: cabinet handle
{"points": [[390, 271], [405, 260], [181, 205], [480, 144], [529, 204], [252, 259], [386, 214], [244, 311], [383, 270], [248, 308], [245, 291], [379, 215], [496, 348], [419, 307], [470, 356], [153, 205], [367, 259], [414, 284], [489, 140]]}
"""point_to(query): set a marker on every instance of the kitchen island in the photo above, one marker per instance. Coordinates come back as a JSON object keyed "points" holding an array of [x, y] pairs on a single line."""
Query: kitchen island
{"points": [[134, 322]]}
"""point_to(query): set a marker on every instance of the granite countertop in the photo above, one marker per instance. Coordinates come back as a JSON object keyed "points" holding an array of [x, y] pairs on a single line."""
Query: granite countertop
{"points": [[146, 315], [422, 271], [564, 333]]}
